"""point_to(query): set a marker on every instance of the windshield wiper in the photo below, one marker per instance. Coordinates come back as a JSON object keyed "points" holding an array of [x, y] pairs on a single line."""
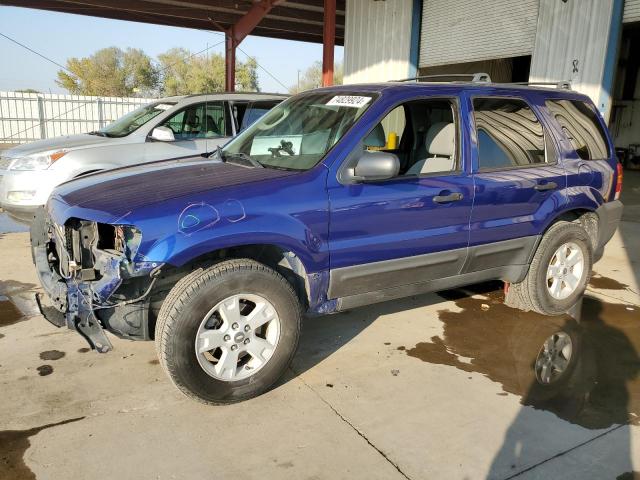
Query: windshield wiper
{"points": [[217, 151], [98, 133], [240, 156]]}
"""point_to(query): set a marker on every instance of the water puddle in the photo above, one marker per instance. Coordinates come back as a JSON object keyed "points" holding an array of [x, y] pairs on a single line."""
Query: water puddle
{"points": [[44, 370], [606, 283], [13, 445], [9, 313], [585, 371], [51, 355], [8, 225]]}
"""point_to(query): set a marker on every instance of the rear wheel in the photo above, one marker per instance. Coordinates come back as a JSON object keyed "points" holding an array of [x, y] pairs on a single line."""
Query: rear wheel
{"points": [[228, 332], [558, 274]]}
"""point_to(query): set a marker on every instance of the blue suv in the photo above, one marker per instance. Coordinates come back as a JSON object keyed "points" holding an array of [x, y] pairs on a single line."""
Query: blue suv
{"points": [[337, 198]]}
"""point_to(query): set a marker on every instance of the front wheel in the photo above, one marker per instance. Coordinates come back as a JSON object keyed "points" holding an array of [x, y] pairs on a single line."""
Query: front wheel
{"points": [[227, 333], [558, 274]]}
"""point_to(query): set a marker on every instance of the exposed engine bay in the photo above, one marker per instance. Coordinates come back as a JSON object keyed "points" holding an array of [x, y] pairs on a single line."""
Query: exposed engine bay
{"points": [[94, 278]]}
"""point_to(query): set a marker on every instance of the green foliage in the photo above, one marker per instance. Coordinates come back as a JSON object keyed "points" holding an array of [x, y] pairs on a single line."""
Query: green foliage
{"points": [[312, 77], [183, 73], [114, 72], [110, 72], [28, 90]]}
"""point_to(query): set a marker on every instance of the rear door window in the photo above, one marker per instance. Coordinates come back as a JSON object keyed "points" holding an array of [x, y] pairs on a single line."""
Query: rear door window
{"points": [[580, 125], [257, 110], [509, 134]]}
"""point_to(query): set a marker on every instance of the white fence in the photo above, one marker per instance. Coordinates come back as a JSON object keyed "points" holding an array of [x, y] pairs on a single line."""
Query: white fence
{"points": [[25, 117]]}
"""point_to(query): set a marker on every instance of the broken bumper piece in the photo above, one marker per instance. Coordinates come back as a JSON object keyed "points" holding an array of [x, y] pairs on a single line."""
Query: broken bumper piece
{"points": [[81, 319], [91, 289]]}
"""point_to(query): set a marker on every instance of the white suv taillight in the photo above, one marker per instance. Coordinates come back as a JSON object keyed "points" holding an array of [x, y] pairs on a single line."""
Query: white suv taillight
{"points": [[618, 182]]}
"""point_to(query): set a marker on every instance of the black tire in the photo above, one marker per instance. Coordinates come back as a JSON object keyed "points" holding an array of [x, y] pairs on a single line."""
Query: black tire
{"points": [[187, 305], [532, 292]]}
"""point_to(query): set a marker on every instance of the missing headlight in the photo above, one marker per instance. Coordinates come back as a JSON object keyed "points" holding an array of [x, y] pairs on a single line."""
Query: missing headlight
{"points": [[123, 239]]}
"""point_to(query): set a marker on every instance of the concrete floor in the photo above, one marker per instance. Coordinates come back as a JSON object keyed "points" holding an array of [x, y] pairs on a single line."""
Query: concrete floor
{"points": [[434, 386]]}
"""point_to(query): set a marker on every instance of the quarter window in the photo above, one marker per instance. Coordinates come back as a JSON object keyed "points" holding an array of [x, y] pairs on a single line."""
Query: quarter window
{"points": [[509, 134], [581, 126]]}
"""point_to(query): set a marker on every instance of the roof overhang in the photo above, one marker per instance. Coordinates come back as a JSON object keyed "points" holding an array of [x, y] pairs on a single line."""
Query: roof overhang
{"points": [[290, 19]]}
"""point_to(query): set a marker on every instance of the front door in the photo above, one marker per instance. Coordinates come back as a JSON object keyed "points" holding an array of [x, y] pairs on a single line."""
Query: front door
{"points": [[411, 228]]}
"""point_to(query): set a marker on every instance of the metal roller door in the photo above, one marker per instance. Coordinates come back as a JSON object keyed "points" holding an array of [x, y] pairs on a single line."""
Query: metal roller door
{"points": [[475, 30], [631, 11]]}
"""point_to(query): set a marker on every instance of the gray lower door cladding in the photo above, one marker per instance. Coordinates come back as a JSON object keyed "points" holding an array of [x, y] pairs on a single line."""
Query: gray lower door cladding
{"points": [[516, 251], [371, 277]]}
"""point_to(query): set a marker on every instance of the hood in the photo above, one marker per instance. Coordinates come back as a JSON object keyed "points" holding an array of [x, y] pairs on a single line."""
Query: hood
{"points": [[113, 193], [58, 143]]}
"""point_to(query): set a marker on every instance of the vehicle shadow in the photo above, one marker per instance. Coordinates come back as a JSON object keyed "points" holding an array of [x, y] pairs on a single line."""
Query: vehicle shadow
{"points": [[583, 371], [324, 335], [629, 227]]}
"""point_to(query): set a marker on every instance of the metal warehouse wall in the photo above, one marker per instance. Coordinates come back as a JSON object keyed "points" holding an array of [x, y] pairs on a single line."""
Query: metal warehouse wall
{"points": [[572, 43], [631, 11], [377, 40], [475, 30]]}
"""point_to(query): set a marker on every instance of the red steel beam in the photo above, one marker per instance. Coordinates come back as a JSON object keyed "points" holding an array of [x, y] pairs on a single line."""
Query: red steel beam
{"points": [[238, 32], [328, 42]]}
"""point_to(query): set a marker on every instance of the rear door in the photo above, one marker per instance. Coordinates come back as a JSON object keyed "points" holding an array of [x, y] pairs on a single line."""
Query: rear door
{"points": [[518, 181], [197, 128]]}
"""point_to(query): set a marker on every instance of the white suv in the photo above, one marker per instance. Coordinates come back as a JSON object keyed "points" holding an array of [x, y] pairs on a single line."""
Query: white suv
{"points": [[171, 127]]}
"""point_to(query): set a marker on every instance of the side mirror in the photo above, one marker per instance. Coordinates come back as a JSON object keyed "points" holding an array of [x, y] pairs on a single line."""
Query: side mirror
{"points": [[162, 134], [372, 166]]}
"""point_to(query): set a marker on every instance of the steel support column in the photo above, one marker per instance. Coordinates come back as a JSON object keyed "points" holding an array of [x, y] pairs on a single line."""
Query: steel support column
{"points": [[328, 42], [238, 32], [229, 63]]}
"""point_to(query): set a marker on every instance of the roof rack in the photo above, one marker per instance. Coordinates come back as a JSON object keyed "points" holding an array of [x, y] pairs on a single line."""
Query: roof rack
{"points": [[564, 84], [474, 77]]}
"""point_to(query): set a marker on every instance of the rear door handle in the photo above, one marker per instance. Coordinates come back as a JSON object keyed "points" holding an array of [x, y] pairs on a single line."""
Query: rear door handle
{"points": [[452, 197], [541, 187]]}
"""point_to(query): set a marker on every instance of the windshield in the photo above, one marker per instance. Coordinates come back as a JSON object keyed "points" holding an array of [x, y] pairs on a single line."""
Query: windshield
{"points": [[134, 120], [299, 132]]}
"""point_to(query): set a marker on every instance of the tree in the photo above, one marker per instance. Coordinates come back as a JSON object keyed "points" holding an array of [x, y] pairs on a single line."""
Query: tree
{"points": [[28, 90], [312, 77], [183, 73], [110, 72]]}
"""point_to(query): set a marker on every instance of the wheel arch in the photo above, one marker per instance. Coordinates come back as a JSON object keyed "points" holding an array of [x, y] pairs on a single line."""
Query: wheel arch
{"points": [[278, 257], [586, 217]]}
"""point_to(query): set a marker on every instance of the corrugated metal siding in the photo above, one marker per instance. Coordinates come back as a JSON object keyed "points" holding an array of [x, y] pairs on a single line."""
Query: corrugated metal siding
{"points": [[631, 11], [572, 36], [475, 30], [377, 40]]}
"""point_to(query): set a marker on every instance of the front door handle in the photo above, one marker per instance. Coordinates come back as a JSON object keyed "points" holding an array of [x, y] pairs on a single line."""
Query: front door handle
{"points": [[452, 197], [541, 187]]}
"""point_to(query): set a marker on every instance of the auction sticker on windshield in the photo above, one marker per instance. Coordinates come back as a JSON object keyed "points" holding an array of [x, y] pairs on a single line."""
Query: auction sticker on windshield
{"points": [[355, 101]]}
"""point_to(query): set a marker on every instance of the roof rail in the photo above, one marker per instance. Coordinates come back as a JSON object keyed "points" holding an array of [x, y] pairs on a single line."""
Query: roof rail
{"points": [[474, 77], [564, 84]]}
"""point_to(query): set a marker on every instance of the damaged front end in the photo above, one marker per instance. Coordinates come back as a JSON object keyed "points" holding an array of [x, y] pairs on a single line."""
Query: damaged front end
{"points": [[93, 278]]}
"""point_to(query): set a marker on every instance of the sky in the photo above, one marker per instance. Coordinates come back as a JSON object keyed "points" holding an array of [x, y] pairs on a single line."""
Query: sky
{"points": [[59, 36]]}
